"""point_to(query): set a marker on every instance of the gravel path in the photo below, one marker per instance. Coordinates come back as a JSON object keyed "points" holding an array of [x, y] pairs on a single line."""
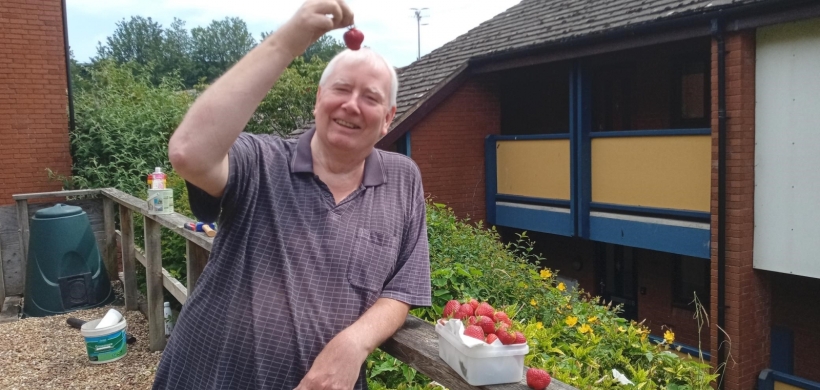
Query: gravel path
{"points": [[46, 353]]}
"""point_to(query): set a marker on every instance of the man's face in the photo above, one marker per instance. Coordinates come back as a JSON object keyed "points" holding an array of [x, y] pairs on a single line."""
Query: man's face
{"points": [[353, 107]]}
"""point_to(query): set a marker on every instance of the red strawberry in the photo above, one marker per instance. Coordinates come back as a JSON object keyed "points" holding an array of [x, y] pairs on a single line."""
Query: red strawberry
{"points": [[484, 309], [450, 308], [486, 324], [491, 337], [464, 311], [519, 338], [474, 331], [472, 320], [353, 38], [538, 379], [473, 303], [506, 337], [502, 317]]}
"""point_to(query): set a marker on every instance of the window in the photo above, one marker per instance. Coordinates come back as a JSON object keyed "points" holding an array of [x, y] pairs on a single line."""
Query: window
{"points": [[691, 94], [692, 276]]}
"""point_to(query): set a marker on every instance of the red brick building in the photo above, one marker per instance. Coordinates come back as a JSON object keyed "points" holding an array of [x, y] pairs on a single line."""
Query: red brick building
{"points": [[619, 135], [33, 97], [34, 120]]}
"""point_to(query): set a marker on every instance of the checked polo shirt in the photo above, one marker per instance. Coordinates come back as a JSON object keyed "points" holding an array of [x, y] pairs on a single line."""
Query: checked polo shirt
{"points": [[290, 268]]}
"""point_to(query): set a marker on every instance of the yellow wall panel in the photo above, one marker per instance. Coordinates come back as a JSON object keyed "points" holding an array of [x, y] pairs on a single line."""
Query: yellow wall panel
{"points": [[785, 386], [671, 172], [535, 168]]}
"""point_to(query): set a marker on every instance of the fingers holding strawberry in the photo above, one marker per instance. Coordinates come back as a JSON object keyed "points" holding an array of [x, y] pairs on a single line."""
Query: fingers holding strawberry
{"points": [[311, 21]]}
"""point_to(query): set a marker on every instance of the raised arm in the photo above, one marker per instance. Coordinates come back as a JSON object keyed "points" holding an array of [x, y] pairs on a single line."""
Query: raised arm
{"points": [[198, 149]]}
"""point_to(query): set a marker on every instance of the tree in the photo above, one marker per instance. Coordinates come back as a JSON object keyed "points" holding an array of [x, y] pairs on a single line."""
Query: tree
{"points": [[177, 45], [324, 48], [217, 47], [289, 104], [145, 42]]}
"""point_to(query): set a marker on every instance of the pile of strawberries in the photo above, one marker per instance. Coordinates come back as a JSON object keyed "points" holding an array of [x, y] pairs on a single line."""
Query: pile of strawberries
{"points": [[483, 322]]}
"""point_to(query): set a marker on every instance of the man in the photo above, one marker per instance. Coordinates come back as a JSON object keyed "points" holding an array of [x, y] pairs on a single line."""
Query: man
{"points": [[322, 248]]}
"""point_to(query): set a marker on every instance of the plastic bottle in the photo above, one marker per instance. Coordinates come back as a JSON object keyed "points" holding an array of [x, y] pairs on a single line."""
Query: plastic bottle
{"points": [[166, 311], [158, 179]]}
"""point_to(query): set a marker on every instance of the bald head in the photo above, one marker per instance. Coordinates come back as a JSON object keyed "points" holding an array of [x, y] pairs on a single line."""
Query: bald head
{"points": [[367, 56]]}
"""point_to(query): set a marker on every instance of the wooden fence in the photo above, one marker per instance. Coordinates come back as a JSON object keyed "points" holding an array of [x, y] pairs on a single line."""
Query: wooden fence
{"points": [[415, 344]]}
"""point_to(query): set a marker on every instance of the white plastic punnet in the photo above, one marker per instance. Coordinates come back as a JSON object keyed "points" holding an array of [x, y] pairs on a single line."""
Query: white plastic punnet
{"points": [[477, 362]]}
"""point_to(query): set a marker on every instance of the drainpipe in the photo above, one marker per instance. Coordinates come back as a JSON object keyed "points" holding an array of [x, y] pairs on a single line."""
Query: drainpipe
{"points": [[717, 34], [68, 70]]}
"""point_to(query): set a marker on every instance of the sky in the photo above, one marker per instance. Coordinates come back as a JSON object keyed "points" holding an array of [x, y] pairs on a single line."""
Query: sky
{"points": [[389, 26]]}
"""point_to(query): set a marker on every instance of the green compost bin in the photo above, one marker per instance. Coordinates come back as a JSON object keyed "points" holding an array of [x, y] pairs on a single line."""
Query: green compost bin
{"points": [[64, 271]]}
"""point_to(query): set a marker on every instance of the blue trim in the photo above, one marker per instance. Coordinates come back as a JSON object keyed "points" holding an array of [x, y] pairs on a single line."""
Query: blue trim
{"points": [[665, 238], [407, 144], [490, 177], [654, 211], [531, 200], [687, 349], [529, 137], [650, 133], [573, 149], [767, 377], [544, 221], [580, 124]]}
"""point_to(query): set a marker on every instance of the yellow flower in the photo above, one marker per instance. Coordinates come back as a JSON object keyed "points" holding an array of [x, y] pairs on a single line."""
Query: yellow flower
{"points": [[533, 302], [561, 286], [571, 321], [669, 336], [545, 273], [643, 336], [621, 329], [539, 325], [569, 306], [592, 319], [585, 328]]}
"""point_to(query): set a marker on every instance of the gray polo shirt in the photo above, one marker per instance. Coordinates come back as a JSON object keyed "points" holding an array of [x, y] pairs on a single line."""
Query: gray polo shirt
{"points": [[290, 269]]}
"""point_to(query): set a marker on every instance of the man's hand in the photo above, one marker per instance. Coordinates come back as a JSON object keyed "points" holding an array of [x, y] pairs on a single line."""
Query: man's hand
{"points": [[311, 21], [337, 367]]}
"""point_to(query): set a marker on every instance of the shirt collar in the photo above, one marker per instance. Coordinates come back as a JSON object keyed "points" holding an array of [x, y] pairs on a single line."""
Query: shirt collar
{"points": [[302, 161]]}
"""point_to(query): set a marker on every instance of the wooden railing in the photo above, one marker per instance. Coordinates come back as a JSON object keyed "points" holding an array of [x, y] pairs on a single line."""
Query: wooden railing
{"points": [[415, 344]]}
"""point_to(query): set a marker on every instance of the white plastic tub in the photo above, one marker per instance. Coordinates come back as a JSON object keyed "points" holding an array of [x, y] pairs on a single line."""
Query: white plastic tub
{"points": [[482, 364]]}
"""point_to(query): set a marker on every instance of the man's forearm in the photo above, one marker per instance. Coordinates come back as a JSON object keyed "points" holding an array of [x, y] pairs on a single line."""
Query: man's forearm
{"points": [[217, 117], [378, 323]]}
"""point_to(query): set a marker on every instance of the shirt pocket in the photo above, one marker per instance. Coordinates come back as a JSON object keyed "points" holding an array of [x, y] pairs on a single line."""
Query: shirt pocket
{"points": [[373, 259]]}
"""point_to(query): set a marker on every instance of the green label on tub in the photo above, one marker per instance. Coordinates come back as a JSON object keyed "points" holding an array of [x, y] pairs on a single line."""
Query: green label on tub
{"points": [[105, 348]]}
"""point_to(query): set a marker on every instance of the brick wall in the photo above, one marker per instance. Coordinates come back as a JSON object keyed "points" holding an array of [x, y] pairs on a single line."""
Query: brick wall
{"points": [[796, 306], [448, 146], [748, 320], [33, 114]]}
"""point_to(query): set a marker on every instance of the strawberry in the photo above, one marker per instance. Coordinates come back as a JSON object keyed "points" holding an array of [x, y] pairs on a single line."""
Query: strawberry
{"points": [[491, 337], [474, 331], [502, 317], [450, 308], [506, 337], [472, 320], [538, 379], [486, 324], [484, 309], [464, 311], [519, 338], [353, 38], [473, 303]]}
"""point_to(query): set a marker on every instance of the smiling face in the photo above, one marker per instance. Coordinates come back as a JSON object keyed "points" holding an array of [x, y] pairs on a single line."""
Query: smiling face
{"points": [[353, 108]]}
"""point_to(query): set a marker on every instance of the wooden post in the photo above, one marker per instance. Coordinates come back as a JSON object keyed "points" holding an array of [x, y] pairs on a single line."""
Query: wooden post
{"points": [[129, 272], [153, 279], [197, 258], [110, 251], [22, 228]]}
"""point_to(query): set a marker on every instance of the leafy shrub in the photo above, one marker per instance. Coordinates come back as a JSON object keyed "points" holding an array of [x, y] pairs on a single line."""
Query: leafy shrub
{"points": [[570, 335]]}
